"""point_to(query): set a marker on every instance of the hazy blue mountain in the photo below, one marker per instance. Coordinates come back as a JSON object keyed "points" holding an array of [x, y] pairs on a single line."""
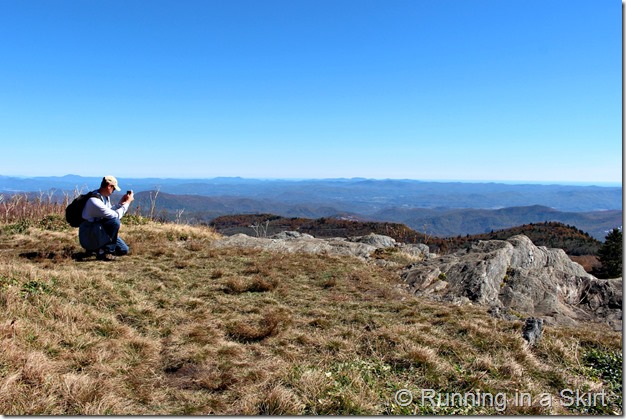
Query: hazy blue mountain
{"points": [[446, 223], [439, 222], [441, 208], [361, 195]]}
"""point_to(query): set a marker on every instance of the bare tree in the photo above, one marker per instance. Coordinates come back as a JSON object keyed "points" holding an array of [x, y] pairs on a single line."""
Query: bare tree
{"points": [[179, 214], [153, 200], [259, 229], [427, 236]]}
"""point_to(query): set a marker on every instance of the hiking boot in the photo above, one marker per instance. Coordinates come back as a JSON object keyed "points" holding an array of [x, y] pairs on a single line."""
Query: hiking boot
{"points": [[105, 257]]}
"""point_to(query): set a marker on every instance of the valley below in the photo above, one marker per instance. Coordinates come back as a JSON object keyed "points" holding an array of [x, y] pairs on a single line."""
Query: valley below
{"points": [[438, 209]]}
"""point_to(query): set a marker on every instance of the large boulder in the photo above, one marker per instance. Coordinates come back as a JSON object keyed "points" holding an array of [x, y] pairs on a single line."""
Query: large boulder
{"points": [[515, 276], [377, 240]]}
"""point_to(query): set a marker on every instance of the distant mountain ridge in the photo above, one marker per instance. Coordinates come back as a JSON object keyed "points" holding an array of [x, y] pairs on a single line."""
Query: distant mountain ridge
{"points": [[430, 221], [363, 196], [440, 209], [446, 223]]}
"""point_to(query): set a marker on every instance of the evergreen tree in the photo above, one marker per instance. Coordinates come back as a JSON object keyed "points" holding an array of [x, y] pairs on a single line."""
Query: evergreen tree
{"points": [[610, 254]]}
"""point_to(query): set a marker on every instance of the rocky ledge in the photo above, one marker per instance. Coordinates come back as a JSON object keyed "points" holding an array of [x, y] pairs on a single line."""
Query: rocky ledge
{"points": [[513, 277], [292, 241]]}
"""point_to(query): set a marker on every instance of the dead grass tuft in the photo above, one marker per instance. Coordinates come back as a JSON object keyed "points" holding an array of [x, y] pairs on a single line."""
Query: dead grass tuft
{"points": [[194, 245], [280, 400], [270, 324], [329, 282], [240, 285], [420, 355], [511, 369], [208, 377], [483, 363]]}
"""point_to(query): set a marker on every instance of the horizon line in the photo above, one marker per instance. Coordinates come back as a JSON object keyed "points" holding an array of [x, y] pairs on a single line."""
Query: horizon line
{"points": [[299, 179]]}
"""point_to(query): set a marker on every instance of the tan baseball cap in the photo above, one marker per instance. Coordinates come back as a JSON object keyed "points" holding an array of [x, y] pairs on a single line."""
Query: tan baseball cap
{"points": [[111, 181]]}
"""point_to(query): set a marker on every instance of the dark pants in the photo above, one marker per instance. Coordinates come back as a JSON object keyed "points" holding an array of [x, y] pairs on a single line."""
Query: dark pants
{"points": [[117, 246]]}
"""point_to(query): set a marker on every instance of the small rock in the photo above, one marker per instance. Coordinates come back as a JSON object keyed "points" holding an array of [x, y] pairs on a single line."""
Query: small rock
{"points": [[533, 327]]}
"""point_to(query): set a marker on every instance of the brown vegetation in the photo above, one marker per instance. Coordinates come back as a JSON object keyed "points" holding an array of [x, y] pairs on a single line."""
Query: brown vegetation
{"points": [[179, 327]]}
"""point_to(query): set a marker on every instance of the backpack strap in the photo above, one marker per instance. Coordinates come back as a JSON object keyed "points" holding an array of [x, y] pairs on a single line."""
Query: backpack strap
{"points": [[95, 194]]}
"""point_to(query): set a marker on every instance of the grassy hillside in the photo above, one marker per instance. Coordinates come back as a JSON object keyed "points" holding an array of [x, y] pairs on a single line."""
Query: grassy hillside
{"points": [[179, 327]]}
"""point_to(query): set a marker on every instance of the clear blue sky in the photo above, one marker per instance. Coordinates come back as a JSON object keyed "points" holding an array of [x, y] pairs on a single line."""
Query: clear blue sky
{"points": [[418, 89]]}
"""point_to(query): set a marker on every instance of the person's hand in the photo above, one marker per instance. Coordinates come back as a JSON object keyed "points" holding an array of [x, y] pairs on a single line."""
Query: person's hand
{"points": [[127, 198]]}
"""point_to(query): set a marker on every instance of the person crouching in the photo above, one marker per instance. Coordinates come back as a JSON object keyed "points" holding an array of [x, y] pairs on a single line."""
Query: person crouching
{"points": [[98, 232]]}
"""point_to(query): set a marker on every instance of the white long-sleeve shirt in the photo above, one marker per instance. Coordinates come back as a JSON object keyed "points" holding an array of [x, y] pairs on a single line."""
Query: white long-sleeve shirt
{"points": [[100, 207]]}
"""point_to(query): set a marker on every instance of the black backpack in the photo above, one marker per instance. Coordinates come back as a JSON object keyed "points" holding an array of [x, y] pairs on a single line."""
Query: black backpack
{"points": [[74, 211]]}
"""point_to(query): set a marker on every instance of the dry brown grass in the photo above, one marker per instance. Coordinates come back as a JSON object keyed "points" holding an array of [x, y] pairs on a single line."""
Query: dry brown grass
{"points": [[180, 327], [18, 208]]}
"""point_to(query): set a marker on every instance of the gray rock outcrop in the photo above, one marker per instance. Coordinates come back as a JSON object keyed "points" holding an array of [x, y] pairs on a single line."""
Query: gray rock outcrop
{"points": [[380, 241], [293, 242], [377, 240], [515, 276], [290, 235]]}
